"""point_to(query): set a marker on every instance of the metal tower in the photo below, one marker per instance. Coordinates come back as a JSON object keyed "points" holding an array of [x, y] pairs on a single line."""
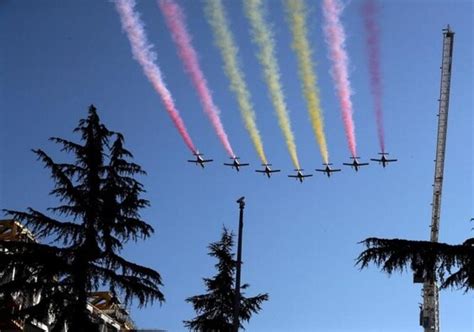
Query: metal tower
{"points": [[429, 317]]}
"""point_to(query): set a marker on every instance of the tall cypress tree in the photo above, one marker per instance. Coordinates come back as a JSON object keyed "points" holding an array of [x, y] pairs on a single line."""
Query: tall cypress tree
{"points": [[100, 197], [215, 308]]}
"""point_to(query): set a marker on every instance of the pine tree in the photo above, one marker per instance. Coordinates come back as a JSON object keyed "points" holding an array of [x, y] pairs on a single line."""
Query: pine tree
{"points": [[215, 308], [100, 197], [451, 264]]}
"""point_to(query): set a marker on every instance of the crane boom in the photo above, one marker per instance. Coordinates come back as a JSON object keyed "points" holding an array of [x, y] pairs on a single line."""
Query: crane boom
{"points": [[430, 310]]}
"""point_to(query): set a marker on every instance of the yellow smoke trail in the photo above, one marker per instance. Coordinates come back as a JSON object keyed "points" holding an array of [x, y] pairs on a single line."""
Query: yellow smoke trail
{"points": [[216, 17], [264, 39], [297, 17]]}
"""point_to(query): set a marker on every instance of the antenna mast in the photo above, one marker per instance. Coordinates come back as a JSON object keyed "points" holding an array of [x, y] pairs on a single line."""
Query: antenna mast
{"points": [[429, 317]]}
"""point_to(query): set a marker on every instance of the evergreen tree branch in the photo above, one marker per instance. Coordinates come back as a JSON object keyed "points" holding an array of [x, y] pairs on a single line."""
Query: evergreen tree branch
{"points": [[143, 287], [43, 226], [422, 256], [69, 146], [62, 180]]}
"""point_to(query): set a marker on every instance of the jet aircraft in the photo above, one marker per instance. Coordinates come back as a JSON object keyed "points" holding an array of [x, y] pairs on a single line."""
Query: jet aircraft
{"points": [[235, 164], [328, 170], [355, 164], [383, 160], [199, 159], [267, 170], [299, 175]]}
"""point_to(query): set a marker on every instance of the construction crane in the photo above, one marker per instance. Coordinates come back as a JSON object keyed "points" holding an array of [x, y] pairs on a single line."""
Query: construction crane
{"points": [[429, 315]]}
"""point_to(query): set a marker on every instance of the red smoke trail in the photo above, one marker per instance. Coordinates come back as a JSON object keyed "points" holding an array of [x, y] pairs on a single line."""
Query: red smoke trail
{"points": [[370, 11], [336, 37], [142, 52], [175, 21]]}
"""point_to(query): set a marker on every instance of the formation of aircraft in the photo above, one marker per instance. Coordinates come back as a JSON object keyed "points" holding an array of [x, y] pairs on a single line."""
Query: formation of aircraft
{"points": [[199, 159], [355, 163], [267, 170], [299, 172], [235, 164], [383, 160], [328, 170], [299, 175]]}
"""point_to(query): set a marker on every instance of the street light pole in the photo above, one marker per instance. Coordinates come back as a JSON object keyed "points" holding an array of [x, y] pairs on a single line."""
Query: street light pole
{"points": [[236, 322]]}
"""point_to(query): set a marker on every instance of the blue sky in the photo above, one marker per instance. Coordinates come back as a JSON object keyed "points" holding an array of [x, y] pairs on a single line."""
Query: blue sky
{"points": [[300, 240]]}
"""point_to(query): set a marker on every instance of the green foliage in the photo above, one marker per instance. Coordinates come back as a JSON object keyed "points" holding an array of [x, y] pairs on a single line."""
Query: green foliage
{"points": [[100, 198], [433, 260], [215, 308]]}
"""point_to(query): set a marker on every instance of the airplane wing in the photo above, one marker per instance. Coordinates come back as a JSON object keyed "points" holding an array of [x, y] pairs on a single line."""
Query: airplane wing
{"points": [[363, 164], [274, 171], [335, 170], [321, 170], [228, 164], [391, 160], [348, 164], [207, 160], [379, 160], [192, 161], [259, 171], [292, 176], [307, 175], [244, 164]]}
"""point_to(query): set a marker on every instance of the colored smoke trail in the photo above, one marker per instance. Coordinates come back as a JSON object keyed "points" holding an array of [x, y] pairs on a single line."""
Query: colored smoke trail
{"points": [[146, 57], [264, 39], [370, 12], [297, 17], [175, 21], [336, 37], [217, 18]]}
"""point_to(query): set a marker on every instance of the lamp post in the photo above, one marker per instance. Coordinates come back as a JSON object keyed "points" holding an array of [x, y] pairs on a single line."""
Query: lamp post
{"points": [[236, 321]]}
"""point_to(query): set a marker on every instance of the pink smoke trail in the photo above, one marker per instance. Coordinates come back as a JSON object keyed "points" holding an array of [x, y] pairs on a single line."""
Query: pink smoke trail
{"points": [[175, 21], [370, 11], [335, 38], [146, 57]]}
